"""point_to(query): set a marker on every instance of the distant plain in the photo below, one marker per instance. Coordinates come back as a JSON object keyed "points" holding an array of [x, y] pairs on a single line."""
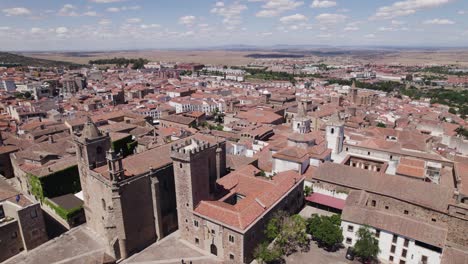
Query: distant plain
{"points": [[243, 57]]}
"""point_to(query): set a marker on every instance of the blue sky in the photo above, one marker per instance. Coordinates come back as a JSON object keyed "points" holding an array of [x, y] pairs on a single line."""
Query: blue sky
{"points": [[133, 24]]}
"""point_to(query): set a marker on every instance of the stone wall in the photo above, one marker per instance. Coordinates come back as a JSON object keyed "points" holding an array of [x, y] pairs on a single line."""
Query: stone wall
{"points": [[138, 214], [11, 243], [32, 226]]}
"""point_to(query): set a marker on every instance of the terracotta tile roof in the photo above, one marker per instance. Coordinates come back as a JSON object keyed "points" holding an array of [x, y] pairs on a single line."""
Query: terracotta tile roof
{"points": [[432, 234], [294, 154], [422, 193], [260, 194], [8, 193]]}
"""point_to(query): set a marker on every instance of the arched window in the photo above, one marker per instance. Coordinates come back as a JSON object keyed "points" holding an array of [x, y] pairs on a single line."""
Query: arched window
{"points": [[332, 130]]}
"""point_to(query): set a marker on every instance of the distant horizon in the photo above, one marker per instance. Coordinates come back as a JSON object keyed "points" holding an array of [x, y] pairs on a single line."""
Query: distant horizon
{"points": [[261, 48]]}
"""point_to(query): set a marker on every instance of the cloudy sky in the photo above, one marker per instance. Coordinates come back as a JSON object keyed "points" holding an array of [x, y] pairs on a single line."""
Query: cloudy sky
{"points": [[132, 24]]}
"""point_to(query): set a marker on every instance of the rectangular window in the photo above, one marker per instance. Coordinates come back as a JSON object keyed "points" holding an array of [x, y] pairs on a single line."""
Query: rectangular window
{"points": [[197, 241], [395, 237], [374, 203], [213, 232], [33, 213], [390, 258], [386, 207], [404, 252], [406, 212], [393, 248], [350, 228], [195, 223], [424, 259], [402, 262], [231, 256], [377, 233], [349, 240], [406, 243], [231, 238]]}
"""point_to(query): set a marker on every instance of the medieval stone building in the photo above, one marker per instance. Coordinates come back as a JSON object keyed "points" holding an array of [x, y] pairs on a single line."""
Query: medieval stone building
{"points": [[226, 215], [129, 202]]}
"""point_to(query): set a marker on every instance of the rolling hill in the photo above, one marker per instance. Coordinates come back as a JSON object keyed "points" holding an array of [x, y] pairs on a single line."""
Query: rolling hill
{"points": [[7, 59]]}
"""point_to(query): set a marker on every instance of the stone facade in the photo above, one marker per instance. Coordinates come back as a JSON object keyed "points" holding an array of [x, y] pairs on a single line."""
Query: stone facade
{"points": [[195, 178], [129, 212], [193, 170], [22, 229]]}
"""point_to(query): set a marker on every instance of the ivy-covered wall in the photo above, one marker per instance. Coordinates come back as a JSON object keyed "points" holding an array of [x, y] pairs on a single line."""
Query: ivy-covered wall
{"points": [[63, 213], [55, 184], [126, 146]]}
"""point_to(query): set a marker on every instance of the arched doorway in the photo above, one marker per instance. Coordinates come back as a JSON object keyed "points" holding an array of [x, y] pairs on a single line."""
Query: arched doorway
{"points": [[214, 250]]}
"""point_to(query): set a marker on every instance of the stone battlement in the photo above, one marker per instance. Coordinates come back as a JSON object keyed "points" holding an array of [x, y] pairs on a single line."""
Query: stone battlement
{"points": [[188, 148]]}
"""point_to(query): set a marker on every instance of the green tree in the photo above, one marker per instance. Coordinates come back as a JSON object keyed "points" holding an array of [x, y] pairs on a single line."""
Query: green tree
{"points": [[326, 230], [292, 235], [264, 254], [380, 124], [367, 246], [308, 191]]}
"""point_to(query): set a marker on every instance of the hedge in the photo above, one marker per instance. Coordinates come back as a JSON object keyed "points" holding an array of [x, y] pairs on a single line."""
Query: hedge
{"points": [[55, 184]]}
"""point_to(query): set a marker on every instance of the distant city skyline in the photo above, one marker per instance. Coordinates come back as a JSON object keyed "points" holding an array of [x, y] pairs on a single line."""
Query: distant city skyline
{"points": [[144, 24]]}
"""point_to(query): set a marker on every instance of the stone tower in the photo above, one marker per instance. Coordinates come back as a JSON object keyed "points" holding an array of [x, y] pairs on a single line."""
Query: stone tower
{"points": [[335, 134], [117, 238], [301, 123], [195, 172], [353, 93], [92, 146]]}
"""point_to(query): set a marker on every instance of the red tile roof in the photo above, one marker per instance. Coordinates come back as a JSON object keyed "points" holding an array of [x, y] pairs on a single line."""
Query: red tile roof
{"points": [[326, 200], [261, 194]]}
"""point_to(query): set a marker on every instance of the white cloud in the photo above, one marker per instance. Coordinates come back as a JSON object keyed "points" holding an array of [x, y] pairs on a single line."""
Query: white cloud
{"points": [[143, 26], [273, 8], [293, 18], [105, 22], [16, 11], [396, 22], [133, 20], [326, 18], [461, 12], [327, 35], [61, 30], [231, 14], [113, 9], [68, 10], [187, 20], [369, 36], [439, 21], [351, 28], [90, 14], [36, 30], [123, 8], [407, 7], [219, 4], [322, 4]]}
